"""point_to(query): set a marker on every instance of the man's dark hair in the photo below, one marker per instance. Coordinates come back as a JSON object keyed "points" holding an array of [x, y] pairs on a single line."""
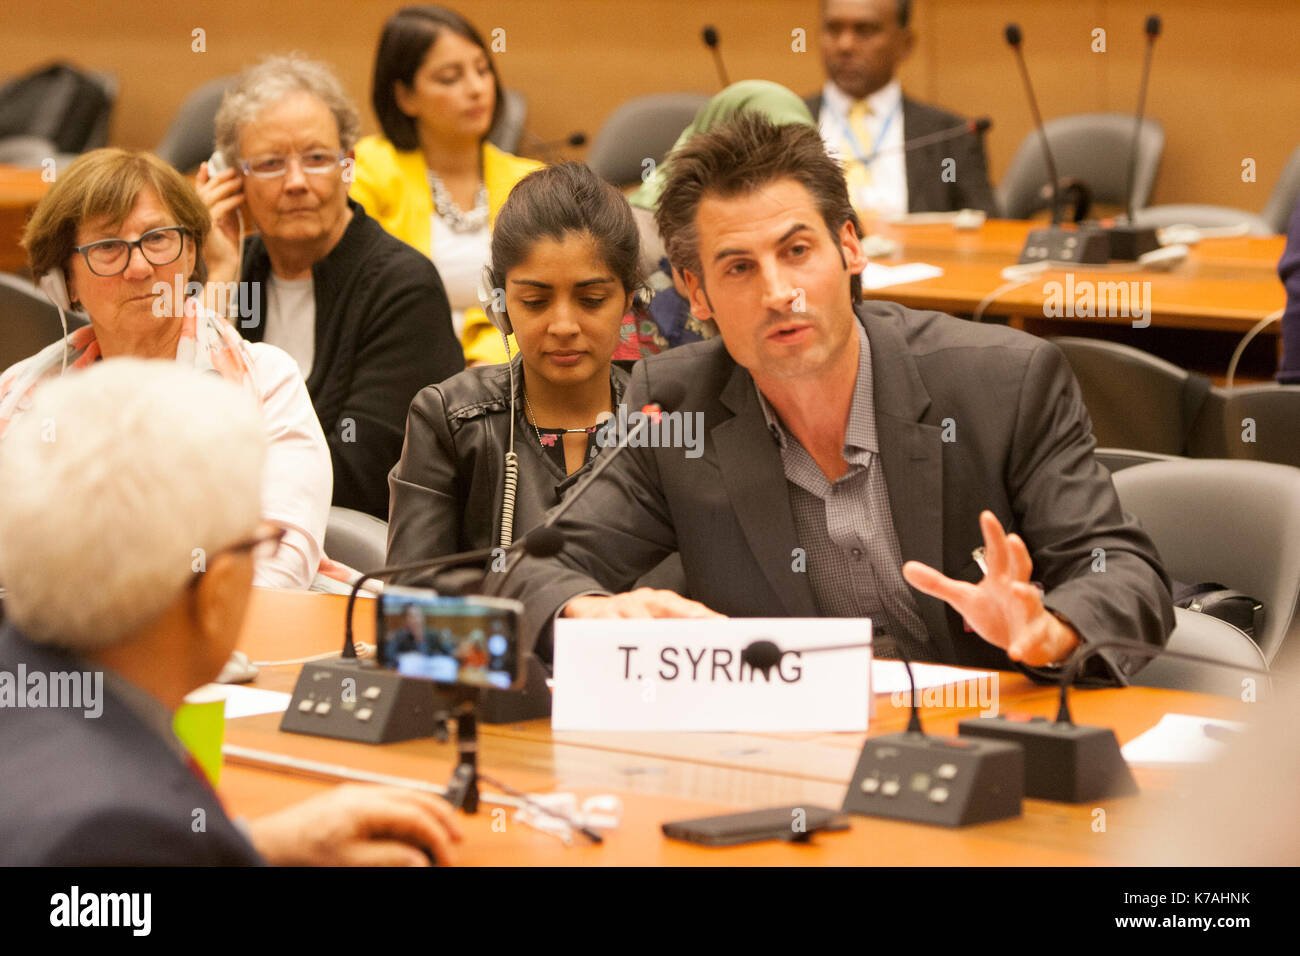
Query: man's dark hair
{"points": [[737, 158], [558, 201], [904, 12], [408, 36]]}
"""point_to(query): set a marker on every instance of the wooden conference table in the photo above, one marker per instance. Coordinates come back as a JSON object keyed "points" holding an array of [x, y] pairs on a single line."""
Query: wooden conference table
{"points": [[1226, 284], [661, 777]]}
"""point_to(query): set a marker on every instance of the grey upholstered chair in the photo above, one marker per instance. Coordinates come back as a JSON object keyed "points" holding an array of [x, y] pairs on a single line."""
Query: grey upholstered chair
{"points": [[1117, 459], [356, 539], [1206, 636], [640, 129], [1253, 422], [1091, 147], [1282, 200], [189, 139], [28, 320], [1231, 522], [509, 127], [1203, 217], [1135, 400]]}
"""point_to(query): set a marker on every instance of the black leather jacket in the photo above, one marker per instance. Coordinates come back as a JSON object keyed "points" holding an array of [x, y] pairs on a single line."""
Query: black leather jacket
{"points": [[445, 491]]}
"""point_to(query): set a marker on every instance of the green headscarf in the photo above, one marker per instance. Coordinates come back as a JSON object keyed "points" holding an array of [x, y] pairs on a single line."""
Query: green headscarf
{"points": [[761, 96]]}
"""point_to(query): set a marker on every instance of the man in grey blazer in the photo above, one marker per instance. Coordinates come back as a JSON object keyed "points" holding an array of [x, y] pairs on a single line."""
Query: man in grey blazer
{"points": [[128, 537], [855, 454], [863, 44]]}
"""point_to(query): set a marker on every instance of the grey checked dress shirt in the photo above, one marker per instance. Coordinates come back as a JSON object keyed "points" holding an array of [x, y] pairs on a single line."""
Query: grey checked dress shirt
{"points": [[845, 527]]}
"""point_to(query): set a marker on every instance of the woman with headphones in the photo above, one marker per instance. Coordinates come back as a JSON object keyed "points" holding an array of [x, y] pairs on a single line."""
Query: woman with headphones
{"points": [[489, 451]]}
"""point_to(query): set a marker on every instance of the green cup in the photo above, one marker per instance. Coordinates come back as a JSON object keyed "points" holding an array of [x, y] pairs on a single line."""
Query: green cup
{"points": [[200, 723]]}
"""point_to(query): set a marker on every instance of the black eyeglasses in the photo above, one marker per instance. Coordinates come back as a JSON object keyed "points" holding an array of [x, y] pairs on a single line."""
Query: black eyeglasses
{"points": [[110, 257], [263, 546]]}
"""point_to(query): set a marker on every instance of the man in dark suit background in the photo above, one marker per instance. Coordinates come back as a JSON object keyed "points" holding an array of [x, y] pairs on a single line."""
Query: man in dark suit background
{"points": [[851, 450], [128, 536], [865, 118]]}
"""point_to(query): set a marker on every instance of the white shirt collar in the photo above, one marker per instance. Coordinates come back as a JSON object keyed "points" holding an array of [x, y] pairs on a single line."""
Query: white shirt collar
{"points": [[882, 101]]}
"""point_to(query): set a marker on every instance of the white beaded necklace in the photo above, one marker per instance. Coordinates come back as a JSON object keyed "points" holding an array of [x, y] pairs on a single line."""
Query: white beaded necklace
{"points": [[446, 207]]}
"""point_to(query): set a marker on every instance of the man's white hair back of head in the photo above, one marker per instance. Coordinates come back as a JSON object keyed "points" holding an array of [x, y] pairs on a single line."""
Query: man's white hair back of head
{"points": [[115, 486]]}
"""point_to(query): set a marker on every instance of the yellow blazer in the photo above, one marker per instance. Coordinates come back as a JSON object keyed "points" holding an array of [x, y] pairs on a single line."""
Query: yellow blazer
{"points": [[393, 186]]}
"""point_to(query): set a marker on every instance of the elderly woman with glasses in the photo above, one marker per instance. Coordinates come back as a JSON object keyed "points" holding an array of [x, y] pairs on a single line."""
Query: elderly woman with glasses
{"points": [[363, 314], [120, 236]]}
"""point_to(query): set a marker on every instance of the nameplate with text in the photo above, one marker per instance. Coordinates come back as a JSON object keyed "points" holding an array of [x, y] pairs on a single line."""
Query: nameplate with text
{"points": [[687, 674]]}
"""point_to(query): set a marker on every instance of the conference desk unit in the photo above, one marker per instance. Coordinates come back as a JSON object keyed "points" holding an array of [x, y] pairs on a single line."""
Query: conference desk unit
{"points": [[661, 777]]}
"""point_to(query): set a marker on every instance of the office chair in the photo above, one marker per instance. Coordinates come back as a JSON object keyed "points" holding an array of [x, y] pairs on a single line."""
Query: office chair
{"points": [[1250, 422], [28, 320], [1136, 400], [1203, 217], [1207, 636], [356, 539], [1117, 459], [1091, 147], [640, 129], [189, 139], [509, 127], [1231, 522]]}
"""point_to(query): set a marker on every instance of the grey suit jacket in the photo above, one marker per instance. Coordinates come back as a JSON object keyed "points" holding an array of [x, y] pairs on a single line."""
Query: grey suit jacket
{"points": [[968, 417], [100, 791], [926, 189]]}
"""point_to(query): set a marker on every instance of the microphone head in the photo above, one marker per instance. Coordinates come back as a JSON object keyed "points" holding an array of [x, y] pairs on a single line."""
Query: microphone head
{"points": [[1153, 25], [710, 36], [669, 395], [1012, 33], [459, 582], [578, 139], [543, 542], [761, 655], [981, 125]]}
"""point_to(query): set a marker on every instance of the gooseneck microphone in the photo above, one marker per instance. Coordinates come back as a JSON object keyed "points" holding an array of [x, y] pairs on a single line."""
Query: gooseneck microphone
{"points": [[914, 776], [1076, 763], [429, 564], [1014, 39], [1128, 242], [544, 537], [972, 127], [1054, 244], [1152, 31], [710, 37], [762, 655]]}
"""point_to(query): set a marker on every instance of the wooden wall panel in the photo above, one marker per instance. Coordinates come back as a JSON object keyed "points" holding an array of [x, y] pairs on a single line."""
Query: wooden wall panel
{"points": [[1225, 84]]}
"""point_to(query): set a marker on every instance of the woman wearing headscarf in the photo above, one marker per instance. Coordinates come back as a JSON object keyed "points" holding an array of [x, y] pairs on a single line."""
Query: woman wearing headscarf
{"points": [[670, 322]]}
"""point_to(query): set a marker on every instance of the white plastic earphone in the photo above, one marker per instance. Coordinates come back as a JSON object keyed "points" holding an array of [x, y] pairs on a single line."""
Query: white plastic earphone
{"points": [[55, 287], [217, 166], [487, 299]]}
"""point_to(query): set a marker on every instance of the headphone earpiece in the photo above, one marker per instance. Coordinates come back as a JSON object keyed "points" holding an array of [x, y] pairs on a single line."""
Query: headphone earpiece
{"points": [[487, 299], [55, 288]]}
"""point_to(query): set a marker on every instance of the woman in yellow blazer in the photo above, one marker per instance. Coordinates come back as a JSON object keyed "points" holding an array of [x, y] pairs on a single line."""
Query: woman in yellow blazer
{"points": [[432, 179]]}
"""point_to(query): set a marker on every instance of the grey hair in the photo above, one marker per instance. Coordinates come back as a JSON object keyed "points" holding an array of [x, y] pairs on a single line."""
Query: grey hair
{"points": [[118, 484], [270, 81]]}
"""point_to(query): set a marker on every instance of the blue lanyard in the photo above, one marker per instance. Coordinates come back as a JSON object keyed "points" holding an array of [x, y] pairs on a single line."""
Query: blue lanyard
{"points": [[852, 138]]}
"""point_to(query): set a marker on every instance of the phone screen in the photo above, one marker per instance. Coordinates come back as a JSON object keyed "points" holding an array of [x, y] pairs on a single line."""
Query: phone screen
{"points": [[472, 641]]}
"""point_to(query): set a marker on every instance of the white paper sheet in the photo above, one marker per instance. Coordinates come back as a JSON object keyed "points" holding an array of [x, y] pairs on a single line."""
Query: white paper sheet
{"points": [[877, 276], [1179, 739], [890, 676], [246, 701]]}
